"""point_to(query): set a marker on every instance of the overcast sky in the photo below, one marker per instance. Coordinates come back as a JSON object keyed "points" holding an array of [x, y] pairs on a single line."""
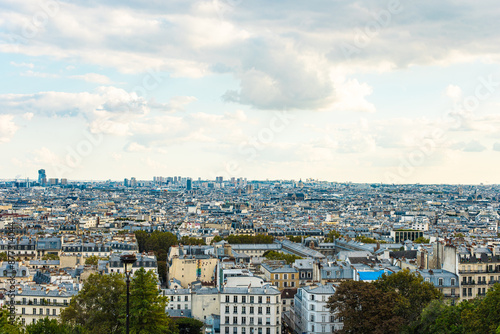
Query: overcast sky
{"points": [[391, 91]]}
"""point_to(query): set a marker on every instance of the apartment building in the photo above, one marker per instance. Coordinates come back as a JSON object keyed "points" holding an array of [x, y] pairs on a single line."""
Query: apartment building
{"points": [[310, 313], [250, 310], [36, 302], [283, 276], [478, 271]]}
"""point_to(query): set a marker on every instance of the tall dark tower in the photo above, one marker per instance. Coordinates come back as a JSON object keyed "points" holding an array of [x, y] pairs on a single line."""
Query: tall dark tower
{"points": [[42, 177]]}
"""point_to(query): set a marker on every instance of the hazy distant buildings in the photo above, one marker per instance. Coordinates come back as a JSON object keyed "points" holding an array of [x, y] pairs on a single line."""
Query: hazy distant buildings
{"points": [[42, 177]]}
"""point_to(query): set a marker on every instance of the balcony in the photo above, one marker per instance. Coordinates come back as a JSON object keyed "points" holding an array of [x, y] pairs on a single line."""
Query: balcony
{"points": [[468, 282]]}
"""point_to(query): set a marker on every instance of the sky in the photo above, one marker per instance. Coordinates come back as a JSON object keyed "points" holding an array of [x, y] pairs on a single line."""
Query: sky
{"points": [[393, 91]]}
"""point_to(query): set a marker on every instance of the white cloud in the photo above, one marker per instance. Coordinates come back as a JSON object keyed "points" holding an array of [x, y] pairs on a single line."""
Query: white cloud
{"points": [[29, 65], [7, 128], [93, 77], [454, 92]]}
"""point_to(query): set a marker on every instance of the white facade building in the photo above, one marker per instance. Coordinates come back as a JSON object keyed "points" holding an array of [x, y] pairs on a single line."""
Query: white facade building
{"points": [[310, 312], [250, 310]]}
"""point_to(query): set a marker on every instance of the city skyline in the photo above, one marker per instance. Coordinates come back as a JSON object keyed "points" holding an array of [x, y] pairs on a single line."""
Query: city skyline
{"points": [[385, 92]]}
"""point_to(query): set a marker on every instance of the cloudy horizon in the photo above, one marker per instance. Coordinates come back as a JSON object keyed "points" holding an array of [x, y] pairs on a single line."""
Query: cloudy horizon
{"points": [[386, 91]]}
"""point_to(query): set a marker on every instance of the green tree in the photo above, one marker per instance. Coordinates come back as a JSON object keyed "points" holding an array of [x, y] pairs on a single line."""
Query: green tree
{"points": [[4, 256], [421, 240], [437, 317], [250, 239], [94, 260], [141, 237], [294, 238], [365, 309], [483, 314], [273, 255], [332, 235], [367, 240], [52, 326], [50, 257], [185, 240], [147, 306], [217, 238], [99, 305], [6, 327], [188, 325], [413, 293]]}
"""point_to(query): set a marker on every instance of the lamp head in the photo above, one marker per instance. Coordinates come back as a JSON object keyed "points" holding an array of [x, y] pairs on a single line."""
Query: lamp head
{"points": [[128, 261]]}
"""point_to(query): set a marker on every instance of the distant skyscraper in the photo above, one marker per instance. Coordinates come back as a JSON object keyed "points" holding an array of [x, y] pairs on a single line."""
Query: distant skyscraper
{"points": [[133, 182], [189, 185], [219, 179], [42, 177]]}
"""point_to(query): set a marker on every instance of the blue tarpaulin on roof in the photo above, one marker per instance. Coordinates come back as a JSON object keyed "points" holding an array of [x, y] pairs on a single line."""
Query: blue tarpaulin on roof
{"points": [[370, 275]]}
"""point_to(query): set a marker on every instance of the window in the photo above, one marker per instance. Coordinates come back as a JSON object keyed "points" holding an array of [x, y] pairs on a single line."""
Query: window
{"points": [[260, 299], [243, 299], [185, 298], [464, 292], [251, 320], [311, 307], [259, 310], [235, 309], [54, 312], [323, 319], [227, 309], [268, 300], [440, 281], [235, 330], [226, 320], [259, 321], [251, 299], [35, 301], [312, 297], [285, 276], [276, 276], [235, 299], [243, 320], [47, 311], [452, 281], [227, 299], [243, 330], [293, 276], [312, 318], [268, 330], [268, 310], [251, 309], [23, 311], [268, 321], [235, 320], [243, 309], [227, 330]]}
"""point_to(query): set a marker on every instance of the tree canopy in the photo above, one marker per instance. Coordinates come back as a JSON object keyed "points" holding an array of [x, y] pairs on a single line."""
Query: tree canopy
{"points": [[147, 307], [274, 255], [413, 293], [6, 327], [99, 304], [365, 309], [100, 307], [388, 305]]}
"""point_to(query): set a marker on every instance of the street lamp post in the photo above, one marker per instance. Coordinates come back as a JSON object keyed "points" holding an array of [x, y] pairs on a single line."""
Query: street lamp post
{"points": [[128, 261]]}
